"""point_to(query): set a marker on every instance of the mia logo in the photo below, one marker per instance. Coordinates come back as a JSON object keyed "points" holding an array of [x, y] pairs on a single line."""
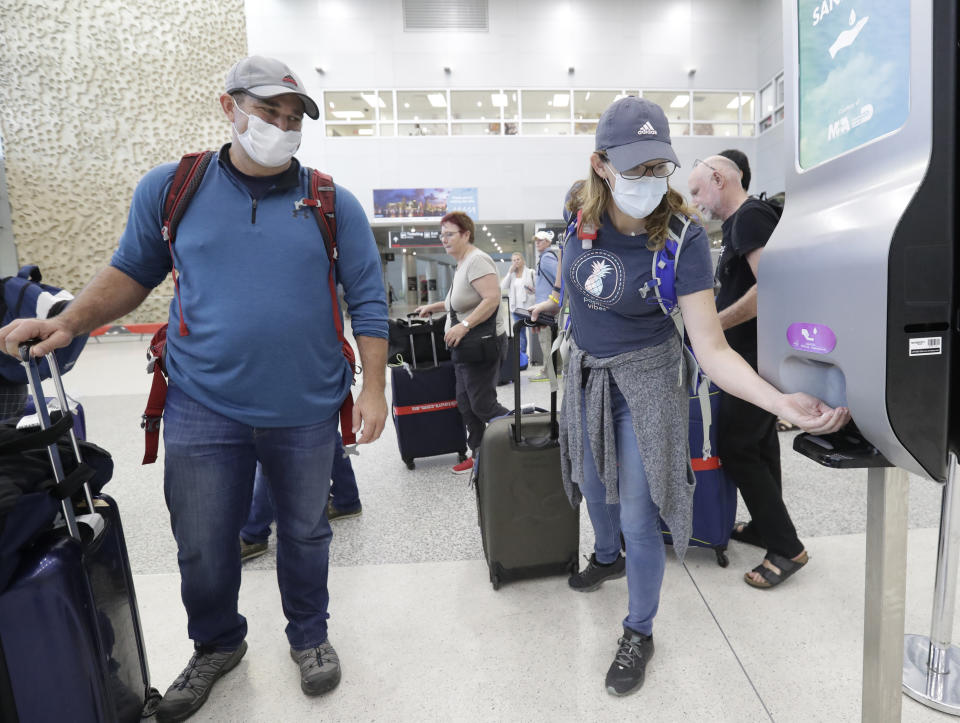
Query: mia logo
{"points": [[647, 129], [598, 275], [289, 79]]}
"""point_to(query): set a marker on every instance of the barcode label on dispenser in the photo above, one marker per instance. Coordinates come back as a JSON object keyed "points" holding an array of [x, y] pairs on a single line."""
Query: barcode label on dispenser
{"points": [[926, 346]]}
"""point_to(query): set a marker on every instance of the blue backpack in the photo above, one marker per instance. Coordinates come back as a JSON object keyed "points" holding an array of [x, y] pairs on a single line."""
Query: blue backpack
{"points": [[24, 296]]}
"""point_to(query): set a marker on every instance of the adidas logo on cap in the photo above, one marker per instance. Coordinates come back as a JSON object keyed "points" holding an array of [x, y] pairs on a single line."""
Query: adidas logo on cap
{"points": [[647, 129]]}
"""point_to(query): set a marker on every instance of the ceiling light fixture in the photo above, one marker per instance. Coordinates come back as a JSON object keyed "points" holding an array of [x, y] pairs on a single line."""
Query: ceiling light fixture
{"points": [[498, 99], [680, 101], [735, 103], [437, 100], [373, 99], [561, 100]]}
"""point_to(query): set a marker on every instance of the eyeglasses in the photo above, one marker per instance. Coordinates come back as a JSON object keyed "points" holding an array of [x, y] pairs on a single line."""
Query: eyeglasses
{"points": [[450, 234], [658, 169], [698, 162]]}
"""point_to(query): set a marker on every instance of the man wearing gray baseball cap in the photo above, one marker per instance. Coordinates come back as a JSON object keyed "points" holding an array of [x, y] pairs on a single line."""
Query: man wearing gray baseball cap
{"points": [[256, 366]]}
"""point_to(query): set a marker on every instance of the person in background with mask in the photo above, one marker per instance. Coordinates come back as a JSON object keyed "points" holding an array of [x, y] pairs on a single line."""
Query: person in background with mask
{"points": [[548, 262], [623, 423], [259, 377]]}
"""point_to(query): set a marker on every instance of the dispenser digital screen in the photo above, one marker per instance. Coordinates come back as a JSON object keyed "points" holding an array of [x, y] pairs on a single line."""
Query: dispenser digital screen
{"points": [[854, 74]]}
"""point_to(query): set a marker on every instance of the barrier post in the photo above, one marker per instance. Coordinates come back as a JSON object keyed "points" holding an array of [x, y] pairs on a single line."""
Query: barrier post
{"points": [[931, 665]]}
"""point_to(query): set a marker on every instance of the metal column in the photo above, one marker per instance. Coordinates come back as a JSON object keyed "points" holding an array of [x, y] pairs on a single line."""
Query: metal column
{"points": [[885, 593], [931, 665]]}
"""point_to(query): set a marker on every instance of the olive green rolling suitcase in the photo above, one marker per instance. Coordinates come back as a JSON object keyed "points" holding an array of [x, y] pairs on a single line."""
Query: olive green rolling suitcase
{"points": [[527, 524]]}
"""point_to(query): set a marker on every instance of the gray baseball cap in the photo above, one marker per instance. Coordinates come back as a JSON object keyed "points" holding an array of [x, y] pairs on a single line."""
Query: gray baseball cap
{"points": [[633, 131], [267, 77]]}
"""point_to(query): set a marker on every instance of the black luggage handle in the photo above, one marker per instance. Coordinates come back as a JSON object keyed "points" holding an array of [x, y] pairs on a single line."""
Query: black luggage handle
{"points": [[31, 367], [517, 411]]}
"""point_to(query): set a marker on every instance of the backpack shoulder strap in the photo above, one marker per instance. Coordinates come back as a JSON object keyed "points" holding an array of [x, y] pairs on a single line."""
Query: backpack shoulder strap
{"points": [[323, 201], [186, 181]]}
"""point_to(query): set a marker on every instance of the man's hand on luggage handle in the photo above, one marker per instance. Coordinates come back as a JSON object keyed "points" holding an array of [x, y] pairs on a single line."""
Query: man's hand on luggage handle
{"points": [[546, 307], [54, 334]]}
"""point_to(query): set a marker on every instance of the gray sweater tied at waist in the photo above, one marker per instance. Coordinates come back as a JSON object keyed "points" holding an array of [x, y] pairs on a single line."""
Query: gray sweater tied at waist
{"points": [[647, 378]]}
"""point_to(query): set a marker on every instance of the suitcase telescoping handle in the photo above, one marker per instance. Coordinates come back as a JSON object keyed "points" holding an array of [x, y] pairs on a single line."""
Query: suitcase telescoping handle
{"points": [[414, 316], [31, 367], [517, 411]]}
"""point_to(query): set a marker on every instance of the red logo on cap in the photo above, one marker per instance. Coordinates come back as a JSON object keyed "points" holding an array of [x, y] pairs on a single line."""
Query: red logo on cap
{"points": [[289, 79]]}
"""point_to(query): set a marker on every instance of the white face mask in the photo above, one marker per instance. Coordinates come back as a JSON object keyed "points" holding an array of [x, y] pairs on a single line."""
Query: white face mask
{"points": [[638, 198], [266, 144]]}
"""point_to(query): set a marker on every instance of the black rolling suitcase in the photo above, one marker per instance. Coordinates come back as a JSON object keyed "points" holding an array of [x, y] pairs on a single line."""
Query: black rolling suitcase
{"points": [[526, 522], [424, 407], [71, 645]]}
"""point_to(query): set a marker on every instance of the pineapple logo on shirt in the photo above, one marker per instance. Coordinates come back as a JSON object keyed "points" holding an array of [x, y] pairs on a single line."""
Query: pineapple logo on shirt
{"points": [[598, 275]]}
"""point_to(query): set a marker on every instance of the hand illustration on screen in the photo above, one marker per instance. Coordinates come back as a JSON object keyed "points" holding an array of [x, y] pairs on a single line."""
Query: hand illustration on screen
{"points": [[846, 38]]}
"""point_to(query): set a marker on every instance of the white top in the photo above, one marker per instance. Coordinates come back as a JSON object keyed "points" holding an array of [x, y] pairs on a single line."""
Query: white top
{"points": [[520, 289], [463, 298]]}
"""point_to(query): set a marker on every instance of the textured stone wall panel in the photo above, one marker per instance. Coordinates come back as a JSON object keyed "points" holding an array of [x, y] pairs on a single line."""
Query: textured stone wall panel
{"points": [[93, 93]]}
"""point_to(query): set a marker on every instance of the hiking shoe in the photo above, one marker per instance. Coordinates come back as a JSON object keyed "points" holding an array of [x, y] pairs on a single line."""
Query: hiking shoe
{"points": [[335, 513], [630, 663], [464, 467], [595, 574], [191, 688], [250, 550], [319, 668]]}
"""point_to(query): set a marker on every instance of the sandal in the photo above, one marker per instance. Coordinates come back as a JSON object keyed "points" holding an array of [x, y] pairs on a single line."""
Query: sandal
{"points": [[771, 578], [744, 532]]}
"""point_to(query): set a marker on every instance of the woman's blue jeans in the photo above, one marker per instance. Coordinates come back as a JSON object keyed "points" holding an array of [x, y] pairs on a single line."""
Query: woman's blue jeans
{"points": [[344, 495], [635, 515], [208, 484]]}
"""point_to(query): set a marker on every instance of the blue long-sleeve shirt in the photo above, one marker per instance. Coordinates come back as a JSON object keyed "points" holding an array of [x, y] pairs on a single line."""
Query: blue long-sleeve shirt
{"points": [[262, 347]]}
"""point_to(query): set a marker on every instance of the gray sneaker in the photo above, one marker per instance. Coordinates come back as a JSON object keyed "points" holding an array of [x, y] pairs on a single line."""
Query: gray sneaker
{"points": [[335, 513], [191, 688], [250, 550], [319, 668], [594, 574]]}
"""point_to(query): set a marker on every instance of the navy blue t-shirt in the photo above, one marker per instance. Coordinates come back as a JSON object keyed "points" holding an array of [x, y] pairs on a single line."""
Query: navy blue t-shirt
{"points": [[609, 315]]}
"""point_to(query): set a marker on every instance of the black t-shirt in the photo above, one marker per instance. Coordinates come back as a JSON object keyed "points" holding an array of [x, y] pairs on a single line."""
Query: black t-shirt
{"points": [[747, 229]]}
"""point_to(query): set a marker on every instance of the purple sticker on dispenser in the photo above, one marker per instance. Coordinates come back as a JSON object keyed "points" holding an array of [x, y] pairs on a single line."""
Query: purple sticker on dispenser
{"points": [[815, 338]]}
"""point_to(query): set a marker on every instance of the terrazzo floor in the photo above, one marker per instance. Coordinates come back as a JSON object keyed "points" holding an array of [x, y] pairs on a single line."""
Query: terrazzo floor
{"points": [[422, 636]]}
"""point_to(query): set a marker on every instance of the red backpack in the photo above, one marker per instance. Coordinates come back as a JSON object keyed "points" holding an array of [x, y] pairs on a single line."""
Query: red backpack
{"points": [[186, 180]]}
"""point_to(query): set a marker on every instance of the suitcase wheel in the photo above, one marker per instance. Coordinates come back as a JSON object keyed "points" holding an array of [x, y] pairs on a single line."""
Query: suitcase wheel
{"points": [[722, 559], [462, 455], [409, 462], [495, 580]]}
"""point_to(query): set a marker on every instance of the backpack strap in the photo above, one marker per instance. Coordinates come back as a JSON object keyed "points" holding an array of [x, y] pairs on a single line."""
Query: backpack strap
{"points": [[186, 180], [323, 201]]}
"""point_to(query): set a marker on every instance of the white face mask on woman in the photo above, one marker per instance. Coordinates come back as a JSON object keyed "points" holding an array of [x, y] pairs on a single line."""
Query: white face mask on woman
{"points": [[266, 144], [637, 198]]}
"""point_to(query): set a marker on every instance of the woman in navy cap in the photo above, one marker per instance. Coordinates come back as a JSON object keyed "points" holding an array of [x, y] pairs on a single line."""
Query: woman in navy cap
{"points": [[623, 428]]}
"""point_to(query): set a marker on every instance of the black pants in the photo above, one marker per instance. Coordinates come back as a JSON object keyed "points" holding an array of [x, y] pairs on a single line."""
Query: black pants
{"points": [[477, 395], [749, 450]]}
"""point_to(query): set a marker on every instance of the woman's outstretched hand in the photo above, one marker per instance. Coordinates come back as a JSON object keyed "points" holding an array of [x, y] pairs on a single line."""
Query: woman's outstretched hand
{"points": [[813, 415]]}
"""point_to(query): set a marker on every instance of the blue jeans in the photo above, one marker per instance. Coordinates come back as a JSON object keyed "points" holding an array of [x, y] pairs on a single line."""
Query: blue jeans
{"points": [[636, 516], [344, 495], [208, 484], [522, 335]]}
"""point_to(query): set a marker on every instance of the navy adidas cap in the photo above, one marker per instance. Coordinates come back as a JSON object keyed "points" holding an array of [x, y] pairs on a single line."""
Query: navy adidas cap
{"points": [[633, 131], [267, 77]]}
